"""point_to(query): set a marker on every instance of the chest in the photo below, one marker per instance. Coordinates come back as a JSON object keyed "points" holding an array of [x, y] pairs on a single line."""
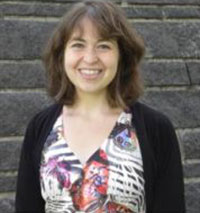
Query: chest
{"points": [[84, 137], [116, 170]]}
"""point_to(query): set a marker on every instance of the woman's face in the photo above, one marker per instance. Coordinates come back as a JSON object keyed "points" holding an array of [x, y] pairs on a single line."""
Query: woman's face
{"points": [[90, 62]]}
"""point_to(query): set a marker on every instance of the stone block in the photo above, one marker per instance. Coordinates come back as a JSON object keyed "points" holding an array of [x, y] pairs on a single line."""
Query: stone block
{"points": [[175, 40], [142, 12], [22, 75], [23, 39], [7, 205], [7, 184], [34, 9], [191, 170], [194, 71], [192, 195], [182, 107], [9, 155], [164, 73], [161, 12], [181, 12], [191, 143], [170, 39], [17, 108]]}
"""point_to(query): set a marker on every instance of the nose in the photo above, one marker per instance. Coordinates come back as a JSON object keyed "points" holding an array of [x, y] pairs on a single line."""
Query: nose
{"points": [[90, 56]]}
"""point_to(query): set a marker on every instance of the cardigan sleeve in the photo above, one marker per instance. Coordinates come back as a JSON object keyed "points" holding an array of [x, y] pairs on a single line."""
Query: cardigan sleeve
{"points": [[28, 196], [169, 186]]}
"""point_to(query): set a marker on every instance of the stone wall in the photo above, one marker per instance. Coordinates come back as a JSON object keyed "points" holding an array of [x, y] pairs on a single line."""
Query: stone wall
{"points": [[171, 70]]}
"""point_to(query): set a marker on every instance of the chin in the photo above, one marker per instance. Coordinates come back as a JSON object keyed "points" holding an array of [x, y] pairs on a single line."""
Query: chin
{"points": [[91, 90]]}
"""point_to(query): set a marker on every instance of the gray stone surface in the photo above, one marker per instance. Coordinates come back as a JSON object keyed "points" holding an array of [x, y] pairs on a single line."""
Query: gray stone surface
{"points": [[17, 109], [170, 32], [165, 73], [191, 143], [167, 40], [23, 39], [57, 10], [22, 75], [9, 155], [192, 192], [191, 170], [194, 70], [7, 205], [171, 39], [182, 107], [34, 9], [32, 75], [164, 2], [161, 12], [7, 184]]}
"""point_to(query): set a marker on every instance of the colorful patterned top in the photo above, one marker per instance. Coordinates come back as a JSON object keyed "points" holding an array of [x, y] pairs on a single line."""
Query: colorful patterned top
{"points": [[110, 181]]}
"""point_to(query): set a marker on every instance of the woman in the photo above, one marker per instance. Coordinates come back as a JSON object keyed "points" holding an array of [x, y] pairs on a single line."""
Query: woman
{"points": [[97, 149]]}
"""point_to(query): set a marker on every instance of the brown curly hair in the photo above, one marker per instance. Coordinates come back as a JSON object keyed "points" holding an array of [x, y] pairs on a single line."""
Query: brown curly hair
{"points": [[111, 22]]}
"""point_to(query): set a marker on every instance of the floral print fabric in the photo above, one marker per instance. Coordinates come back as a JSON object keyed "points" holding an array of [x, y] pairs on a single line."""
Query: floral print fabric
{"points": [[110, 181]]}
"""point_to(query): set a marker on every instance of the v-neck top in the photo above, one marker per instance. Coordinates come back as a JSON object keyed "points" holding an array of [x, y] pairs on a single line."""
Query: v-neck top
{"points": [[110, 181]]}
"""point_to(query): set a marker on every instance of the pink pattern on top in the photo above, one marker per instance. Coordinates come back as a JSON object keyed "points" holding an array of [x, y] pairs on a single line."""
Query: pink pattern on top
{"points": [[110, 181]]}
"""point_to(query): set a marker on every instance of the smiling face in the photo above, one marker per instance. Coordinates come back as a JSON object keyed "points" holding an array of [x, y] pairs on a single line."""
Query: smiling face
{"points": [[90, 62]]}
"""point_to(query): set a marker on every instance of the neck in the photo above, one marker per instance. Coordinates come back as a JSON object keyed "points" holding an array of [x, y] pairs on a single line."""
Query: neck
{"points": [[91, 105]]}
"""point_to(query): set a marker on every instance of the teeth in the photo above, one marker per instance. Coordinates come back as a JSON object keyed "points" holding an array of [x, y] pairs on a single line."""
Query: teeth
{"points": [[89, 72]]}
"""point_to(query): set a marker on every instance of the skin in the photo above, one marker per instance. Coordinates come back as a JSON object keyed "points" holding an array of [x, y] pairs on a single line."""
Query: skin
{"points": [[89, 51], [88, 115]]}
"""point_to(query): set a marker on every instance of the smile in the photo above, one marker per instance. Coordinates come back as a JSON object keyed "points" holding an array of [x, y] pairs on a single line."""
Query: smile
{"points": [[90, 71], [90, 74]]}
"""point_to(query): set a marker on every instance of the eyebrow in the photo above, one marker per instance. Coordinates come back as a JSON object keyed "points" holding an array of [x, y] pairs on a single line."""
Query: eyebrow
{"points": [[83, 40], [77, 39]]}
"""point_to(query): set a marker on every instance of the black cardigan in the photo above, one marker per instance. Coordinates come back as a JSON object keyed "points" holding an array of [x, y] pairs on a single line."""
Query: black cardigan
{"points": [[164, 187]]}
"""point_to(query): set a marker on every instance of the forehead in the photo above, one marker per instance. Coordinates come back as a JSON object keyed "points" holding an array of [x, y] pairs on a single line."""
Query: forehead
{"points": [[88, 28]]}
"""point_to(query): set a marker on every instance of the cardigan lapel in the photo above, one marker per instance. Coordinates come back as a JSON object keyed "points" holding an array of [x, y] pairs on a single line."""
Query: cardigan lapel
{"points": [[45, 128], [148, 160]]}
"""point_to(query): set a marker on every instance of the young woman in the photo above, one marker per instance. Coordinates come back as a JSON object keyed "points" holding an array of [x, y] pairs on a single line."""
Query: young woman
{"points": [[97, 149]]}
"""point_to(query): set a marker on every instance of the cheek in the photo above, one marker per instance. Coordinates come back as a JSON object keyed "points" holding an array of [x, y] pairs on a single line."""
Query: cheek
{"points": [[68, 61], [112, 61], [71, 60]]}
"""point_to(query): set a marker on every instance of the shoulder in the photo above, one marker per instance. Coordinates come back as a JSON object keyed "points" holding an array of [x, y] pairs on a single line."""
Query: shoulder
{"points": [[157, 127], [45, 113], [151, 117], [39, 125], [44, 118]]}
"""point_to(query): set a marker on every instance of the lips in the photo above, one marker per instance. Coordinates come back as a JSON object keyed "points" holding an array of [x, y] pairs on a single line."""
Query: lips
{"points": [[90, 73]]}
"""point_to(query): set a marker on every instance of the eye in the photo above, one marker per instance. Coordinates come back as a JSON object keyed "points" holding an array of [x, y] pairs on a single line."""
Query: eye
{"points": [[77, 45], [104, 46]]}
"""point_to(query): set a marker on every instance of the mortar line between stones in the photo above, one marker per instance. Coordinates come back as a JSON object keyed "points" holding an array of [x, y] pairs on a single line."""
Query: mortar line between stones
{"points": [[160, 6], [165, 4], [8, 173], [163, 19], [30, 3], [20, 61], [31, 18], [4, 195], [173, 88], [153, 88], [10, 138], [17, 90], [191, 162], [122, 4], [132, 20], [129, 3], [193, 129], [192, 180], [168, 60]]}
